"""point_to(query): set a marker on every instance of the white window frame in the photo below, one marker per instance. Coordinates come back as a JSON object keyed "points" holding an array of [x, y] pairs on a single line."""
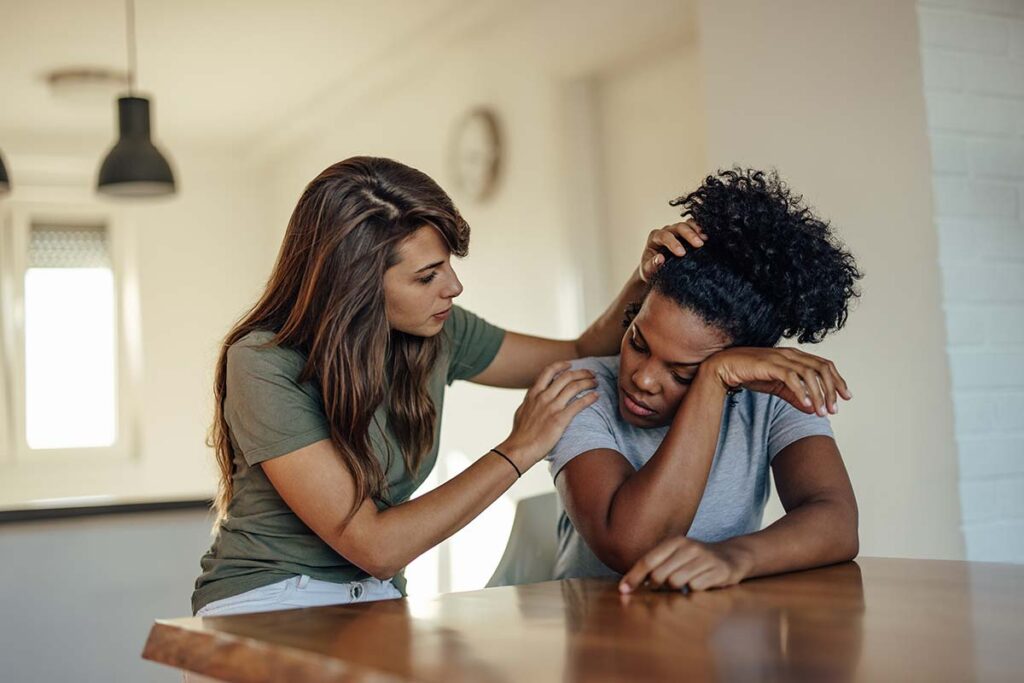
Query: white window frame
{"points": [[19, 216]]}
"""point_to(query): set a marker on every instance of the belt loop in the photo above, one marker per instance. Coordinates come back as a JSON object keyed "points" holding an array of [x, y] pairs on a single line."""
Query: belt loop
{"points": [[303, 581]]}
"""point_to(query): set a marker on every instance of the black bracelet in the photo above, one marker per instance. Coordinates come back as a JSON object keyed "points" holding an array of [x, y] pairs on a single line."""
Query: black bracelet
{"points": [[509, 460]]}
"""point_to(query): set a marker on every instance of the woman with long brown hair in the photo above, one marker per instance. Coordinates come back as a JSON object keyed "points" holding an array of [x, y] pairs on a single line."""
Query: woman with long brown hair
{"points": [[329, 394]]}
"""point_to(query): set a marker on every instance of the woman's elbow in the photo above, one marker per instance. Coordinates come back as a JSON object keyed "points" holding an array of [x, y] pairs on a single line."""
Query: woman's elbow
{"points": [[850, 547], [619, 556], [850, 534], [381, 568], [384, 572], [372, 558]]}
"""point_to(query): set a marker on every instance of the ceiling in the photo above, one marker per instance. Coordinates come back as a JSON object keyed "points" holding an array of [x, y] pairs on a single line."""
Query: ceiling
{"points": [[217, 70]]}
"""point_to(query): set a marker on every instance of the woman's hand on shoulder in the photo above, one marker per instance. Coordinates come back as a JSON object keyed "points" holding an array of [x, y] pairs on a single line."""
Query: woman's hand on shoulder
{"points": [[671, 238], [809, 383], [680, 562], [546, 411]]}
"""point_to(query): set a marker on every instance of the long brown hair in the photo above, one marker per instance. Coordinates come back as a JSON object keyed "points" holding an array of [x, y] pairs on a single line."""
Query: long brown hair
{"points": [[325, 299]]}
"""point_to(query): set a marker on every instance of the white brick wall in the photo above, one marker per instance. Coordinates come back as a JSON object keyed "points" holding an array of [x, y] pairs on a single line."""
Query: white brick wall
{"points": [[973, 58]]}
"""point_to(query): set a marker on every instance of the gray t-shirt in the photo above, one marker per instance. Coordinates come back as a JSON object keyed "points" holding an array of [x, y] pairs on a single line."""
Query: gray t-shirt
{"points": [[755, 428]]}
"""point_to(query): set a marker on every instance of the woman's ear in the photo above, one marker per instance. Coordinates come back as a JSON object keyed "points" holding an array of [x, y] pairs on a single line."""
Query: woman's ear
{"points": [[630, 313]]}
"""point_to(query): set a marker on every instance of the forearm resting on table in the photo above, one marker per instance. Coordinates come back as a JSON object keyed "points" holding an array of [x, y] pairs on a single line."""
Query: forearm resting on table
{"points": [[818, 532], [659, 500]]}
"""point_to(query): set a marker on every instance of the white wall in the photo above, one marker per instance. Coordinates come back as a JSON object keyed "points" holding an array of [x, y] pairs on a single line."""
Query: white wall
{"points": [[201, 258], [830, 94], [973, 57], [652, 128]]}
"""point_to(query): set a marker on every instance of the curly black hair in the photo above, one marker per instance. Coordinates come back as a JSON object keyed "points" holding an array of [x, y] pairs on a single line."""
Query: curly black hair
{"points": [[770, 269]]}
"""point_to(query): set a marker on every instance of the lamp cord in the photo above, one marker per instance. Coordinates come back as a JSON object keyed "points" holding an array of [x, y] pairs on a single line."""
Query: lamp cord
{"points": [[130, 13]]}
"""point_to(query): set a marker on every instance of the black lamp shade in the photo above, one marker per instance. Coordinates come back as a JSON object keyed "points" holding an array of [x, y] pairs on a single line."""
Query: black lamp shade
{"points": [[134, 167], [5, 181]]}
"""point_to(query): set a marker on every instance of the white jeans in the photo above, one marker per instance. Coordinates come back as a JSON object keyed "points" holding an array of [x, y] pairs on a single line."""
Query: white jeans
{"points": [[300, 591]]}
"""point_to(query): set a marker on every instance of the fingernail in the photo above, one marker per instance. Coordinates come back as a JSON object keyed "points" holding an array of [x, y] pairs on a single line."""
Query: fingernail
{"points": [[623, 588], [807, 401]]}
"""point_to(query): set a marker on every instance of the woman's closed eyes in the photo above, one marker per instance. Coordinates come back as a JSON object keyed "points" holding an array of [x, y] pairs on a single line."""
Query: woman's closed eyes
{"points": [[636, 346]]}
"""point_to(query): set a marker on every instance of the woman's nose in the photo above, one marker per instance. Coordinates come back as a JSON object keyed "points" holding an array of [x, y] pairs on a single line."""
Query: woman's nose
{"points": [[454, 287], [644, 380]]}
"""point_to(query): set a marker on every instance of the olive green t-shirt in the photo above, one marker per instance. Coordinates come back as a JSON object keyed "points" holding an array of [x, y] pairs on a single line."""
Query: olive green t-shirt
{"points": [[269, 414]]}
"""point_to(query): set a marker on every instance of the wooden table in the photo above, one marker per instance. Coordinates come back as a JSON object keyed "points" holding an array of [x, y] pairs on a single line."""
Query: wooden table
{"points": [[873, 620]]}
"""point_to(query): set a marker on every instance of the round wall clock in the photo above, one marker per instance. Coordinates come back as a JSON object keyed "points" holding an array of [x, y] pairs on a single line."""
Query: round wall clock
{"points": [[475, 154]]}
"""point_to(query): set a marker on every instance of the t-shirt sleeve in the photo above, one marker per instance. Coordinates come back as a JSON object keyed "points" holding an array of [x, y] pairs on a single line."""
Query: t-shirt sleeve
{"points": [[789, 425], [474, 344], [267, 410], [588, 431]]}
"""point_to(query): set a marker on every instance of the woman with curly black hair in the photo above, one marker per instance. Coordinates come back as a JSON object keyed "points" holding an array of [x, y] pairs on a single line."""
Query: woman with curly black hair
{"points": [[665, 477]]}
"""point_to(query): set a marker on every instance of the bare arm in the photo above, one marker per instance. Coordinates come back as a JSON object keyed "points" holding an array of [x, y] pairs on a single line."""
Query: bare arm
{"points": [[819, 528], [521, 357], [317, 485], [820, 524], [621, 512]]}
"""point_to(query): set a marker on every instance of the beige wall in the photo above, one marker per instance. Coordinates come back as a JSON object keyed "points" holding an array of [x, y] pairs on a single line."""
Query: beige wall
{"points": [[652, 142], [200, 258], [831, 94]]}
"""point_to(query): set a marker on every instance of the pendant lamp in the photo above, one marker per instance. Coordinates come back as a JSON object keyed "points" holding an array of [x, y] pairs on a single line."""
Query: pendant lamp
{"points": [[134, 166], [5, 181]]}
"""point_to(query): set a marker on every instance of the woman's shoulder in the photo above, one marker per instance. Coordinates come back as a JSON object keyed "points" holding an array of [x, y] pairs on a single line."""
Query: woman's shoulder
{"points": [[473, 343], [606, 373], [464, 326], [605, 368], [254, 339], [257, 351]]}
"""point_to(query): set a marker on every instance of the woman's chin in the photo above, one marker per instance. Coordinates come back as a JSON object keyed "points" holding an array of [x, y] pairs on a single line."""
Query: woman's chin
{"points": [[430, 328]]}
